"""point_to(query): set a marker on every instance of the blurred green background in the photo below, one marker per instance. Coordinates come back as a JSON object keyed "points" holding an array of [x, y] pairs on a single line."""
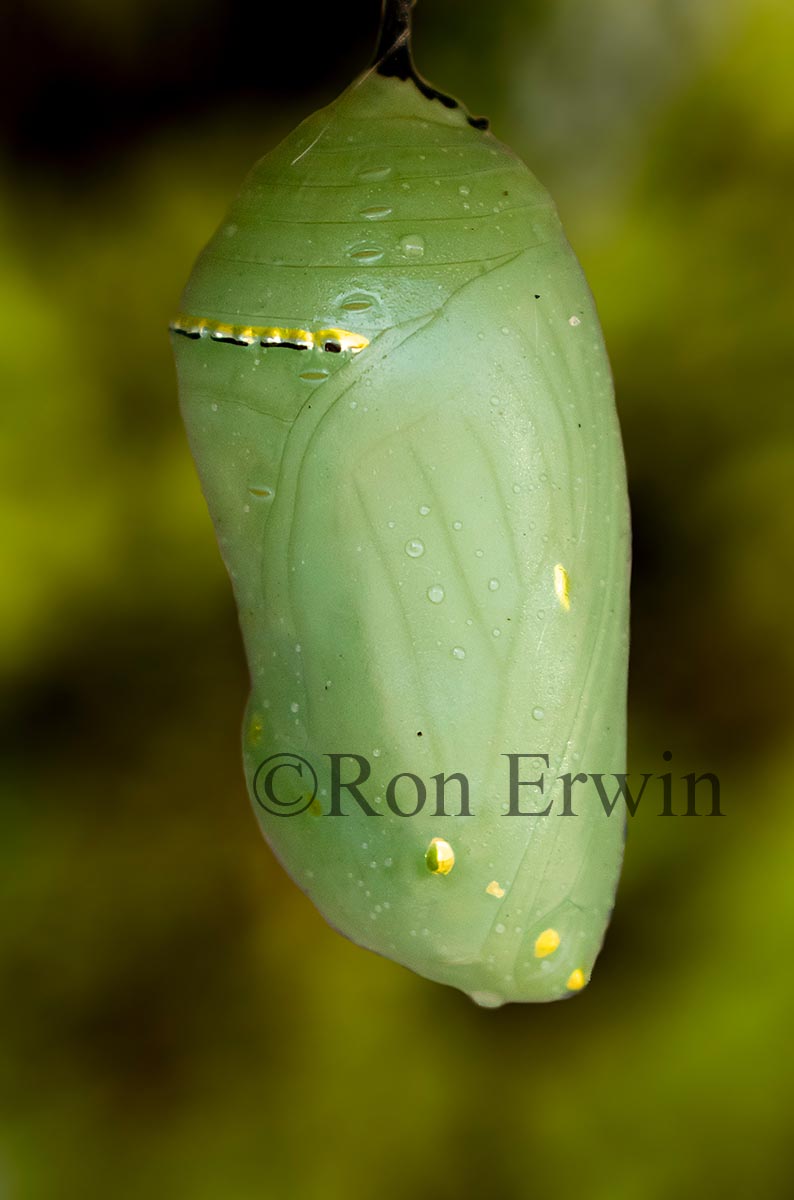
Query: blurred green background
{"points": [[176, 1018]]}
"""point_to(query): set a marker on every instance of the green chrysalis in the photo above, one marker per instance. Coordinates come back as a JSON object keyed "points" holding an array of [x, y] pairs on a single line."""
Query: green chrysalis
{"points": [[398, 398]]}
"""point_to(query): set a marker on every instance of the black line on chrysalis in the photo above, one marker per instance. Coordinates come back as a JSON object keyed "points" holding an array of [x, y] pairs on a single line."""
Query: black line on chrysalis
{"points": [[229, 339], [393, 57]]}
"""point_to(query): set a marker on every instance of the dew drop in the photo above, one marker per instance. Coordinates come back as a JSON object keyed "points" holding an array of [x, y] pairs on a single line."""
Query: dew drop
{"points": [[457, 524], [435, 594], [574, 321], [414, 548], [412, 245], [377, 212], [493, 584], [487, 999], [496, 632], [423, 510], [294, 707], [538, 714]]}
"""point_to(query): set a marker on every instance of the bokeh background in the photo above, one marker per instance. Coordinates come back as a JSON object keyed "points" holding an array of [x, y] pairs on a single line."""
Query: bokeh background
{"points": [[175, 1018]]}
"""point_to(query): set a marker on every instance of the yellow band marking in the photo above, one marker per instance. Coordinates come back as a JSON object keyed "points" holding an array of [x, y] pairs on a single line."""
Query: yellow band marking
{"points": [[334, 340], [546, 943], [576, 980], [493, 889]]}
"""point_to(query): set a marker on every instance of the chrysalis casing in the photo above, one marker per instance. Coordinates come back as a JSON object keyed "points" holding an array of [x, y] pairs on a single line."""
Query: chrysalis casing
{"points": [[398, 398]]}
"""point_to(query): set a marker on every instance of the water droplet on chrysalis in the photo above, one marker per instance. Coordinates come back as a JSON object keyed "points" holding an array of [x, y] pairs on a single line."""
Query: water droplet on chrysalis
{"points": [[412, 245]]}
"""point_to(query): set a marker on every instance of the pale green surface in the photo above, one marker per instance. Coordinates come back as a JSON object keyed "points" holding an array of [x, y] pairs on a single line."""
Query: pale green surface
{"points": [[478, 400]]}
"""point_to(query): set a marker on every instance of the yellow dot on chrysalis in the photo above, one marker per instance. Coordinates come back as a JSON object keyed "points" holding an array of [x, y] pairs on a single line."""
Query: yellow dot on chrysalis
{"points": [[440, 857], [576, 980], [493, 889], [546, 943], [562, 586], [255, 730]]}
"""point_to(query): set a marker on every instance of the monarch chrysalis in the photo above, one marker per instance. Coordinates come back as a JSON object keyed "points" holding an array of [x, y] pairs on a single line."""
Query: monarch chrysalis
{"points": [[396, 391]]}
